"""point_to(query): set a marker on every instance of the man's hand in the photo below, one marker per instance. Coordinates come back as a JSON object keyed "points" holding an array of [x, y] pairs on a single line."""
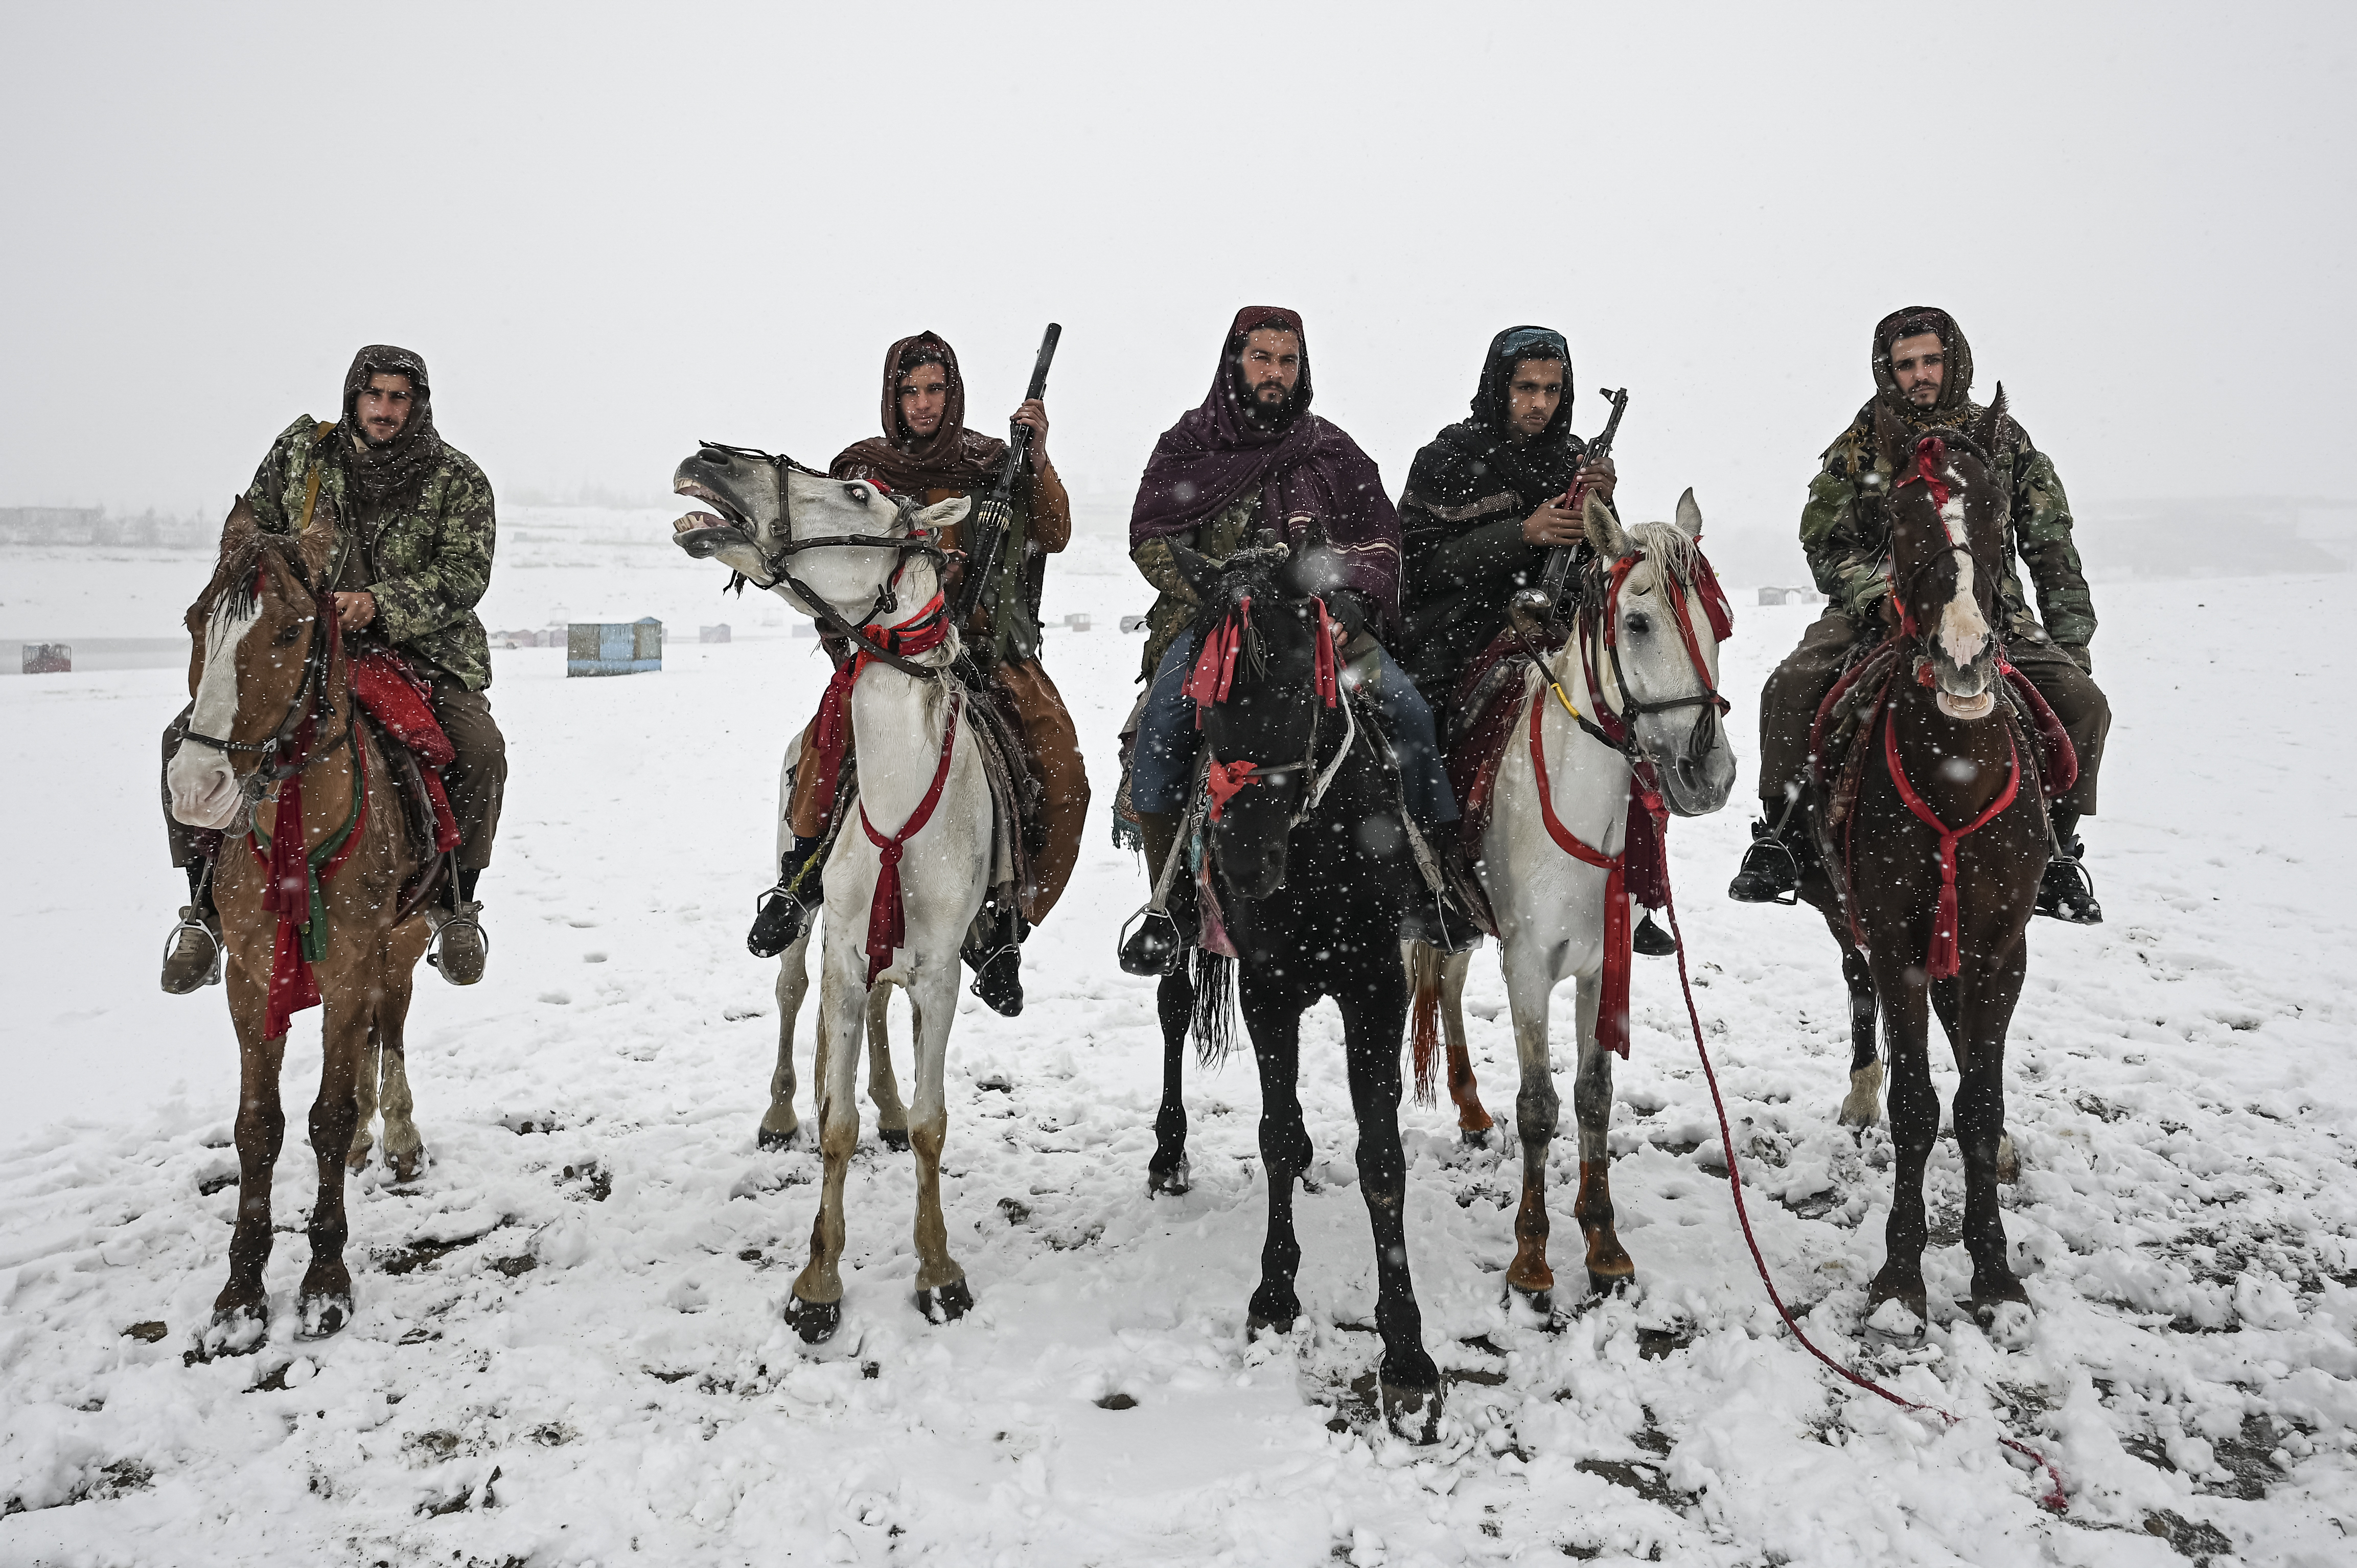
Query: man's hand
{"points": [[355, 610], [1553, 524], [1034, 415], [1600, 477]]}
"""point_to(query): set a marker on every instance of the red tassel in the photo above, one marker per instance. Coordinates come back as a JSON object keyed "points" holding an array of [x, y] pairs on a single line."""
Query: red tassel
{"points": [[1943, 961]]}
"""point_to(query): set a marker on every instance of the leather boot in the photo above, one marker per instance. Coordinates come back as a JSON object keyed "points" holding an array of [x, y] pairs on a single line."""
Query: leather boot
{"points": [[781, 915], [1771, 872], [192, 953], [993, 951], [2065, 891], [1651, 940], [1441, 920], [460, 949]]}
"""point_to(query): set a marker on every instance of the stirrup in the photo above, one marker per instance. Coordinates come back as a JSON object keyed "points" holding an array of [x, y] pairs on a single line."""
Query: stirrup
{"points": [[2089, 913], [466, 915], [1155, 948], [188, 922], [1770, 841]]}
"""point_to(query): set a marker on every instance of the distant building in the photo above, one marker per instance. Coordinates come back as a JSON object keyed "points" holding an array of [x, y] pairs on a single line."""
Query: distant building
{"points": [[613, 647]]}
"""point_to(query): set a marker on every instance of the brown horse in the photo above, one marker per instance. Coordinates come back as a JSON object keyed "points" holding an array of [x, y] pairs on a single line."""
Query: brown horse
{"points": [[1945, 780], [273, 722]]}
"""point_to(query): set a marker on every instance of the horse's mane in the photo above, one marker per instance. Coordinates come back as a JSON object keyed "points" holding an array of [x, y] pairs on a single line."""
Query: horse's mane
{"points": [[1667, 547], [236, 575]]}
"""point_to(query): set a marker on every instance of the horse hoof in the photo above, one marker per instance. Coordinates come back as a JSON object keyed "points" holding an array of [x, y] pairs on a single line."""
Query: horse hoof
{"points": [[1412, 1410], [770, 1143], [357, 1161], [1276, 1325], [408, 1167], [1610, 1284], [323, 1317], [1171, 1181], [894, 1138], [238, 1330], [1474, 1137], [1539, 1301], [1863, 1106], [815, 1321], [2009, 1160], [947, 1305], [1898, 1320]]}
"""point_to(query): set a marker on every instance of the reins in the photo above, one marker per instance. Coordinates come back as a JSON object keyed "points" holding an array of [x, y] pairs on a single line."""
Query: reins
{"points": [[914, 541]]}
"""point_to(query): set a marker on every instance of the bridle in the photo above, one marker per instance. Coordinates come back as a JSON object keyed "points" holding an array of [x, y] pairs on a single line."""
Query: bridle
{"points": [[1931, 458], [912, 541], [1597, 622], [1221, 780], [299, 711]]}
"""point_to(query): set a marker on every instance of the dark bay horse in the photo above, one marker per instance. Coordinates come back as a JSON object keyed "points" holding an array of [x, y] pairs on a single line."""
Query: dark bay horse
{"points": [[272, 727], [1942, 850], [1311, 872]]}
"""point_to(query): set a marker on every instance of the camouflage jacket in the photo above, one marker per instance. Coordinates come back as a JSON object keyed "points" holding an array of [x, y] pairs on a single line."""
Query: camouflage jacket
{"points": [[426, 555], [1216, 537], [1845, 532]]}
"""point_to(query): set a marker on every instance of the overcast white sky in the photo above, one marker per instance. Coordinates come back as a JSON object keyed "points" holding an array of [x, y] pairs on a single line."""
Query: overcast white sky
{"points": [[613, 229]]}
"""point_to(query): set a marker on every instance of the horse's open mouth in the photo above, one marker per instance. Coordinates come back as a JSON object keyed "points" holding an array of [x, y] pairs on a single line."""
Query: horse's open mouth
{"points": [[704, 534], [714, 498], [1966, 707]]}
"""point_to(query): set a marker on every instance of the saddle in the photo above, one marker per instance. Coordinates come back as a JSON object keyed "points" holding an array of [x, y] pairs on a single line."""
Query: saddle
{"points": [[1483, 718], [394, 701]]}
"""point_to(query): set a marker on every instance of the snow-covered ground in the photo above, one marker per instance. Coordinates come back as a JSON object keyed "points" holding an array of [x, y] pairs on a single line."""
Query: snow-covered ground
{"points": [[568, 1347]]}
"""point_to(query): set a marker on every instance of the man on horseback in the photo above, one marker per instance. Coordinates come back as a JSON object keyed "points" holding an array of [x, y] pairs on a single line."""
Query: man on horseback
{"points": [[1923, 371], [1486, 500], [418, 515], [927, 454], [1252, 460]]}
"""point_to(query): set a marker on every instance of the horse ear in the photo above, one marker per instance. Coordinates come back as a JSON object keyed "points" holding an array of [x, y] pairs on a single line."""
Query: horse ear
{"points": [[1604, 531], [944, 514], [1689, 515], [1892, 439], [1992, 425], [239, 525], [1201, 575]]}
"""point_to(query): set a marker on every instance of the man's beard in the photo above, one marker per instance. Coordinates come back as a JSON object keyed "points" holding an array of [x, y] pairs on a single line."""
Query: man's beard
{"points": [[1263, 411]]}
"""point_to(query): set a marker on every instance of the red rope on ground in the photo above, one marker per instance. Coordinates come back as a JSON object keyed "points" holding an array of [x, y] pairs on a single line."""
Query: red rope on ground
{"points": [[2053, 1500]]}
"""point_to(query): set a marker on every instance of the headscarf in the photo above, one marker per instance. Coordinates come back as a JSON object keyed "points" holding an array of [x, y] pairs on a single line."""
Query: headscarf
{"points": [[382, 470], [1545, 464], [1955, 384], [1313, 480], [952, 458]]}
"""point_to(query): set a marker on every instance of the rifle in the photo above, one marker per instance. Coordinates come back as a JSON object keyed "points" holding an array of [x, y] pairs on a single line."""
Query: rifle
{"points": [[996, 515], [1558, 565]]}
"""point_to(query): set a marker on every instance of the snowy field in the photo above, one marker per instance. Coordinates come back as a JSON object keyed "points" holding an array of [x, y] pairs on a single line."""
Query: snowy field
{"points": [[568, 1348]]}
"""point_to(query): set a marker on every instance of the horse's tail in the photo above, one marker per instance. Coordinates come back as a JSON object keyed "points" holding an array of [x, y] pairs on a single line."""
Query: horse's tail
{"points": [[1424, 963], [1214, 1015]]}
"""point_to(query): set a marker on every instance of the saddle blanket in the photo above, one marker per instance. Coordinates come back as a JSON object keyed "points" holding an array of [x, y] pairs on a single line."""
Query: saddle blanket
{"points": [[392, 694]]}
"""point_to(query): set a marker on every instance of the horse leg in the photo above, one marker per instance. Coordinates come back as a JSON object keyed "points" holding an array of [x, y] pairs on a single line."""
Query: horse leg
{"points": [[242, 1311], [404, 1150], [364, 1102], [1609, 1267], [1978, 1016], [1473, 1119], [325, 1303], [1863, 1106], [1530, 980], [932, 1003], [883, 1089], [779, 1123], [1914, 1127], [1174, 1002], [1373, 1013], [816, 1305], [1273, 1017]]}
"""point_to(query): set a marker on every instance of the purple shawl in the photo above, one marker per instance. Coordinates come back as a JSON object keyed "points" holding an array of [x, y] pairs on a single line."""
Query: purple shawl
{"points": [[1314, 481]]}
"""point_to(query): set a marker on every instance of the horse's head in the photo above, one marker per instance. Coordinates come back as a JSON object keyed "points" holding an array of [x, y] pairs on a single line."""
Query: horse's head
{"points": [[1258, 618], [1947, 536], [1660, 649], [772, 512], [253, 635]]}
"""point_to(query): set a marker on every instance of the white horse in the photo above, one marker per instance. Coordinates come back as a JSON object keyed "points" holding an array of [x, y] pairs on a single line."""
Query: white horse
{"points": [[1659, 676], [849, 554]]}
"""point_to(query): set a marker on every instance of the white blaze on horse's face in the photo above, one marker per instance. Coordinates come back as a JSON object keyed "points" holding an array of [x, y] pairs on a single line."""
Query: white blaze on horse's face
{"points": [[1964, 632], [204, 787]]}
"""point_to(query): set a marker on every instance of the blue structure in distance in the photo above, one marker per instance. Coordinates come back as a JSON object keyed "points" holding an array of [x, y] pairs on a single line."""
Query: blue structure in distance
{"points": [[613, 647]]}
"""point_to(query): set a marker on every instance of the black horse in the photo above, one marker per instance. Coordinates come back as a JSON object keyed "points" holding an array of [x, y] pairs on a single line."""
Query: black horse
{"points": [[1312, 870]]}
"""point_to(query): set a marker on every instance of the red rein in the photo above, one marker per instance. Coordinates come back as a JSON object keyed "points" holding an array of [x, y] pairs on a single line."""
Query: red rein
{"points": [[1612, 1010], [920, 633]]}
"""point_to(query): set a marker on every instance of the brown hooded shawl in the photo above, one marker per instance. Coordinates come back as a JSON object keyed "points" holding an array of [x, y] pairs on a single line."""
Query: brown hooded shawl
{"points": [[952, 458], [1955, 387]]}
